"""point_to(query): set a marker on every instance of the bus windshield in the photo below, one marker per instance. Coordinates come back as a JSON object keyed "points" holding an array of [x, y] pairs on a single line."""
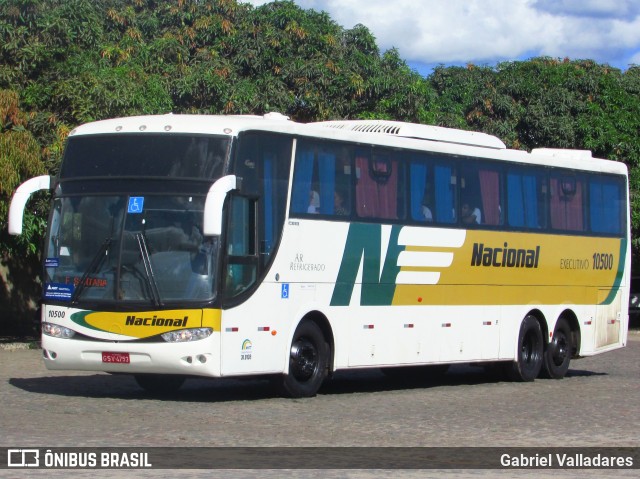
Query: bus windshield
{"points": [[145, 249], [148, 156]]}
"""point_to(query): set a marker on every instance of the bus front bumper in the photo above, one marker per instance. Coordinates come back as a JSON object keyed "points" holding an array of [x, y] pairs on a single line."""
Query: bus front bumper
{"points": [[192, 358]]}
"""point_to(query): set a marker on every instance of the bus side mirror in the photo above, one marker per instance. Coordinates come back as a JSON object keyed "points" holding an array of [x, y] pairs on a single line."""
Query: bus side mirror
{"points": [[20, 198], [212, 222]]}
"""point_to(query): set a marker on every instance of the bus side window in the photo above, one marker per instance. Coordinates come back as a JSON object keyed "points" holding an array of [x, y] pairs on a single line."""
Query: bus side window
{"points": [[321, 180], [241, 270], [606, 200], [421, 191], [445, 194], [304, 198], [526, 193], [377, 185], [567, 207], [480, 195]]}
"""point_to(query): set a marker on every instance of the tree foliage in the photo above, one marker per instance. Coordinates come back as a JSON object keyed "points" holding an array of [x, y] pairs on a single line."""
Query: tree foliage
{"points": [[66, 62], [20, 158]]}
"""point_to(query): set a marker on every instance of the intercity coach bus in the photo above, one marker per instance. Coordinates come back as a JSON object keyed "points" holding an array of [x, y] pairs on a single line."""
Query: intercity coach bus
{"points": [[229, 246]]}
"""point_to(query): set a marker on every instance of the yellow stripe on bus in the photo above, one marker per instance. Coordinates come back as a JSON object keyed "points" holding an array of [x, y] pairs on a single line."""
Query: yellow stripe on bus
{"points": [[513, 268]]}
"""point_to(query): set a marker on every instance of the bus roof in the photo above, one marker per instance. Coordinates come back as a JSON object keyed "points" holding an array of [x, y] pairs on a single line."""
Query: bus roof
{"points": [[417, 131], [380, 132]]}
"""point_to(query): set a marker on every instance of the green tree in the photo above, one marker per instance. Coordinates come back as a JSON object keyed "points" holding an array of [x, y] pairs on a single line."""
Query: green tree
{"points": [[20, 159]]}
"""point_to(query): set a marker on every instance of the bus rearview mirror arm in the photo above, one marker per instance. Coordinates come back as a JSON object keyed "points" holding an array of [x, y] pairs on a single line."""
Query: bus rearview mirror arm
{"points": [[212, 223], [20, 198]]}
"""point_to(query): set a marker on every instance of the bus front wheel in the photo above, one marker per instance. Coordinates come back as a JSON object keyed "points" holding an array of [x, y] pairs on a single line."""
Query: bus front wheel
{"points": [[308, 362], [558, 353], [529, 359]]}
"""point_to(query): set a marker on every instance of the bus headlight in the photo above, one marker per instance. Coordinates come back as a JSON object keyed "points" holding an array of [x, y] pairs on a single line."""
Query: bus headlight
{"points": [[184, 335], [57, 331]]}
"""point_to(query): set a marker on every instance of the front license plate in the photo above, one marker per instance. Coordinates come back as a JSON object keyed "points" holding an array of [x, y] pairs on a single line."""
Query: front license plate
{"points": [[116, 358]]}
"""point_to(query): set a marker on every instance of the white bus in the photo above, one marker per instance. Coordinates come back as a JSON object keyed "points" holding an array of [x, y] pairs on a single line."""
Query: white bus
{"points": [[227, 246]]}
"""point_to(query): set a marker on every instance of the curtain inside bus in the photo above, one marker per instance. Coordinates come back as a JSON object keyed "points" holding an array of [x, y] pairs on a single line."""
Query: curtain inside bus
{"points": [[566, 204], [377, 187], [490, 193], [522, 197], [445, 194]]}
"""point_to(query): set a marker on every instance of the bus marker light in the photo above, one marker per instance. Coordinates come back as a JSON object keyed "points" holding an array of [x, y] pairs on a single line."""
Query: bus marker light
{"points": [[274, 332], [231, 330], [408, 326], [263, 328], [419, 300], [486, 323], [368, 326], [446, 325], [587, 323]]}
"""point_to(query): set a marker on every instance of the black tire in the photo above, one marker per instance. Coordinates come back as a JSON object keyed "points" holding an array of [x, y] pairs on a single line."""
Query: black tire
{"points": [[159, 384], [558, 353], [308, 362], [528, 362]]}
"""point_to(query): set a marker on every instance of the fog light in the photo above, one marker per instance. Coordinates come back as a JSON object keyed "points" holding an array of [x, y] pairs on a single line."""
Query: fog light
{"points": [[185, 335], [57, 331]]}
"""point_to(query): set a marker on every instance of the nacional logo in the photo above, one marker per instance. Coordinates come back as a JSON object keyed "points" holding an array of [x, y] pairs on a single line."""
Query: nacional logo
{"points": [[391, 256], [156, 321], [504, 257]]}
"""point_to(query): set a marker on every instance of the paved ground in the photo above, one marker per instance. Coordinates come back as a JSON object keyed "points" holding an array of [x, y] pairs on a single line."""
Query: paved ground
{"points": [[597, 404]]}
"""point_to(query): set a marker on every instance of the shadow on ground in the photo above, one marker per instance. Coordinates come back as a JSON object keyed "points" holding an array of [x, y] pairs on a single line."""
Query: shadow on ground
{"points": [[220, 390]]}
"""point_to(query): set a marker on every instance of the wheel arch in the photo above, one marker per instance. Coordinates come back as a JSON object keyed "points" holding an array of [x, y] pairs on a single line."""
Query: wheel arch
{"points": [[572, 319], [322, 322]]}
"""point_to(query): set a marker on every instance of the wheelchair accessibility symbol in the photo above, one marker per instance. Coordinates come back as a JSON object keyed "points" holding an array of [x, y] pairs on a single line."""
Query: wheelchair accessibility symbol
{"points": [[135, 204], [285, 291]]}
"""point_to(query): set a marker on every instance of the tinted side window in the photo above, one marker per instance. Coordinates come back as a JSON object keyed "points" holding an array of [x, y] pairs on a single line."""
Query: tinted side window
{"points": [[606, 205], [378, 179], [481, 201], [526, 197], [263, 163], [567, 202], [322, 179], [432, 190]]}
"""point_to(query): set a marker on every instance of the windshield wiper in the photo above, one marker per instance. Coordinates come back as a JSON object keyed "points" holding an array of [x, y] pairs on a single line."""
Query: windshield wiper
{"points": [[148, 269], [96, 262]]}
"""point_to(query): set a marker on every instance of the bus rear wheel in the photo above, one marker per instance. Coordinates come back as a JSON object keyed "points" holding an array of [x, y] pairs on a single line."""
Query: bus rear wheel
{"points": [[308, 362], [558, 353], [528, 362]]}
